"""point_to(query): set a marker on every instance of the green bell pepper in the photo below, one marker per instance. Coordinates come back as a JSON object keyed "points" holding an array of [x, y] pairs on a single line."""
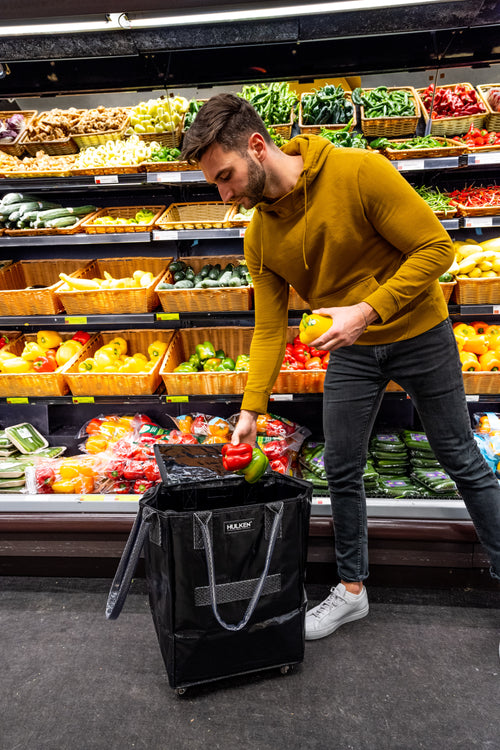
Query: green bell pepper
{"points": [[195, 361], [205, 350], [257, 466], [242, 362], [211, 364], [185, 367], [227, 365], [220, 353]]}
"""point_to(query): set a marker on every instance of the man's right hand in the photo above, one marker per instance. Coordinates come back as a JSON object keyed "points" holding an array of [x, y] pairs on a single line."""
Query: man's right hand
{"points": [[246, 428]]}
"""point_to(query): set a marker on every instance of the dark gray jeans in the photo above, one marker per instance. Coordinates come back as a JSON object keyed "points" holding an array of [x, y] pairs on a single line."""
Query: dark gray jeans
{"points": [[428, 368]]}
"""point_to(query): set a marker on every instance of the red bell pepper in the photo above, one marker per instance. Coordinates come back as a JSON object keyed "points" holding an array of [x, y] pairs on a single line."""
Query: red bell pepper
{"points": [[151, 471], [44, 364], [45, 477], [133, 469], [4, 340], [236, 457], [277, 428], [281, 465], [81, 336], [141, 486], [114, 470], [274, 449], [121, 487]]}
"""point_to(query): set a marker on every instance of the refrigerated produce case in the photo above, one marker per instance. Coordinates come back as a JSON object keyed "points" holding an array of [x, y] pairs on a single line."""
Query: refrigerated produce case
{"points": [[89, 531]]}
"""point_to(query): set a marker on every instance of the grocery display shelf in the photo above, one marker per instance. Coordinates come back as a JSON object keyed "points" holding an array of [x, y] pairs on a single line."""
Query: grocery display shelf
{"points": [[113, 180], [414, 165], [74, 239], [376, 507]]}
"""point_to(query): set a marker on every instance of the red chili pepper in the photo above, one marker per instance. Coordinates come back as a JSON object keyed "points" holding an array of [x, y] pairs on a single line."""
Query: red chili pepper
{"points": [[236, 457], [81, 336]]}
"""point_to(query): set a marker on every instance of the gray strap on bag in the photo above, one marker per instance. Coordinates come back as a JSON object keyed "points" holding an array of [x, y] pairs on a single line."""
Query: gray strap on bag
{"points": [[203, 519]]}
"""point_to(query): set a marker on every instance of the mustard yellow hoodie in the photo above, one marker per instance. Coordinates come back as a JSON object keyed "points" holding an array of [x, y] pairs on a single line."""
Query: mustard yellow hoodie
{"points": [[351, 230]]}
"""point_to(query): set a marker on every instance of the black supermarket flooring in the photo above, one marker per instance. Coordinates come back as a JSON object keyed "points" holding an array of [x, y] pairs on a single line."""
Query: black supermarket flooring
{"points": [[421, 671]]}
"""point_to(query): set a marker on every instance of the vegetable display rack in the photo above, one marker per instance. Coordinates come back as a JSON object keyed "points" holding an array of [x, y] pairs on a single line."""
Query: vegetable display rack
{"points": [[392, 126], [118, 384], [493, 117], [121, 212], [222, 299], [18, 282], [447, 126]]}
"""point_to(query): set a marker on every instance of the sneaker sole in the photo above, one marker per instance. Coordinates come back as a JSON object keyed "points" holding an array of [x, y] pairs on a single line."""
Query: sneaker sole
{"points": [[328, 631]]}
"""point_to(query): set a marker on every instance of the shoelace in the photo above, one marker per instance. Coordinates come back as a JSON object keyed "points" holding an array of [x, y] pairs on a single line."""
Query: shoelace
{"points": [[331, 600]]}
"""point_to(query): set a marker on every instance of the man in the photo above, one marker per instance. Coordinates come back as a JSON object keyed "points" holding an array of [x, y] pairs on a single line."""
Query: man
{"points": [[357, 242]]}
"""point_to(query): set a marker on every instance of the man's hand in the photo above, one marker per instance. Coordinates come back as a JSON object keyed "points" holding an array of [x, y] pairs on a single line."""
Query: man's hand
{"points": [[348, 325], [246, 428]]}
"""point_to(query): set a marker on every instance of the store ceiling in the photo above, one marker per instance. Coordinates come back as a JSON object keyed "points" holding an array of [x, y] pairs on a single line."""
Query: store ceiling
{"points": [[443, 34]]}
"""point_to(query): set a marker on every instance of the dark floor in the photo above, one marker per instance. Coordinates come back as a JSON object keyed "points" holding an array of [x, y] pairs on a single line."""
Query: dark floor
{"points": [[421, 671]]}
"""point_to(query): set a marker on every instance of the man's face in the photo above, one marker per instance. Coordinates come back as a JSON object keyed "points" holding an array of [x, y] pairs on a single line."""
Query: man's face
{"points": [[239, 179]]}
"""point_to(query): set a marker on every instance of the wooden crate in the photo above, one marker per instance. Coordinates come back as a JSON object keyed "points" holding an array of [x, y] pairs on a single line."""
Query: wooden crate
{"points": [[117, 384]]}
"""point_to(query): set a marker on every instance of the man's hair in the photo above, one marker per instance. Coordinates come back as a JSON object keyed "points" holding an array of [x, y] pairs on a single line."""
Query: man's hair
{"points": [[225, 119]]}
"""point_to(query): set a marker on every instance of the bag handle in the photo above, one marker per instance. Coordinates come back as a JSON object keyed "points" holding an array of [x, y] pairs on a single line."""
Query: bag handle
{"points": [[203, 520], [126, 567]]}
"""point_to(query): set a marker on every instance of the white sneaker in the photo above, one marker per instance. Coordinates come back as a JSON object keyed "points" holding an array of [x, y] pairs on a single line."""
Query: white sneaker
{"points": [[339, 607]]}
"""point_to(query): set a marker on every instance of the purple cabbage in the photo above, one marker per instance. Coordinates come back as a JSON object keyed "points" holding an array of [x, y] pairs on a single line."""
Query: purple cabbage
{"points": [[10, 128]]}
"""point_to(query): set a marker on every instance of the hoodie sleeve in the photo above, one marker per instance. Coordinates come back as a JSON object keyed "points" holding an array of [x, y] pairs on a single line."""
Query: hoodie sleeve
{"points": [[271, 325], [404, 219]]}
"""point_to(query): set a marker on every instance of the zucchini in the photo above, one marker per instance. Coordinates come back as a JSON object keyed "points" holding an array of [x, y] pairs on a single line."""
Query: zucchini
{"points": [[179, 276], [236, 281], [11, 469], [184, 284], [14, 216], [23, 208], [209, 283], [205, 270], [52, 452], [177, 265], [6, 484], [25, 437]]}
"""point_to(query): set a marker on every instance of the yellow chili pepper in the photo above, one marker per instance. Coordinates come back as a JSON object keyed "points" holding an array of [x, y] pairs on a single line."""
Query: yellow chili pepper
{"points": [[32, 351], [81, 285], [48, 339], [157, 349]]}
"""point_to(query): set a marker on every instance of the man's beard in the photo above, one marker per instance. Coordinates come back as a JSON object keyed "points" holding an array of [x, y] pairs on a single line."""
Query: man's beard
{"points": [[254, 191]]}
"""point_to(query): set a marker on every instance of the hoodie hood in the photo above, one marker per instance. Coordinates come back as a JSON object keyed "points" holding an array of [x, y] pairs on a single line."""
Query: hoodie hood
{"points": [[314, 150]]}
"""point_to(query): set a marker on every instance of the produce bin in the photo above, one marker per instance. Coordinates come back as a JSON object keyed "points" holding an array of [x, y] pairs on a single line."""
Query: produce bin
{"points": [[448, 126], [482, 382], [447, 148], [17, 299], [116, 301], [493, 117], [122, 212], [316, 129], [86, 140], [374, 127], [207, 215], [478, 291], [111, 384], [205, 300], [37, 383], [16, 148]]}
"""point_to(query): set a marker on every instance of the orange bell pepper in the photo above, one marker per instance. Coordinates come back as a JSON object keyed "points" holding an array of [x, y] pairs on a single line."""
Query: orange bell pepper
{"points": [[479, 326], [69, 470], [84, 485], [490, 362], [215, 439], [96, 444], [492, 330], [476, 344], [470, 362]]}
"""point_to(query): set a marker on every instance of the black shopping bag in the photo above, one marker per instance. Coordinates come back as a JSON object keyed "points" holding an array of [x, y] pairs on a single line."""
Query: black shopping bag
{"points": [[224, 564]]}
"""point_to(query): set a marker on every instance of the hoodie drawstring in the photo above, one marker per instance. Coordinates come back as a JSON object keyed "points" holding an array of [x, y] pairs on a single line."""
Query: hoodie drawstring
{"points": [[305, 225]]}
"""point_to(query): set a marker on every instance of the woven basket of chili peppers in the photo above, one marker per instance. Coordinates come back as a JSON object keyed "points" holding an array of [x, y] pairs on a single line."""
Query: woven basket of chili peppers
{"points": [[476, 201], [388, 111], [455, 108]]}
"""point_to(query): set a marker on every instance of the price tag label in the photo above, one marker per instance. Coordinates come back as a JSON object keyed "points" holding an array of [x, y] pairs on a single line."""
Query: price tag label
{"points": [[478, 221], [167, 316], [242, 231], [83, 399], [92, 498], [106, 179], [168, 177], [76, 321], [17, 400], [165, 235], [281, 397], [126, 498], [410, 164], [177, 399], [472, 397], [487, 157], [496, 309]]}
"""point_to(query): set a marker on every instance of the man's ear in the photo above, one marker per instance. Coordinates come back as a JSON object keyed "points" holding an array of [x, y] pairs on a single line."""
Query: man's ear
{"points": [[257, 146]]}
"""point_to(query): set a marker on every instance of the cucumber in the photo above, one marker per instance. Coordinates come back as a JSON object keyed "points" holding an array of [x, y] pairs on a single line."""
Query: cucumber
{"points": [[198, 277], [53, 452], [229, 267], [179, 276], [177, 265], [81, 210], [205, 270], [214, 273], [53, 213], [190, 274], [224, 278], [23, 208], [10, 469], [14, 482], [236, 281], [165, 285], [14, 216], [184, 284], [209, 283], [11, 198], [64, 221]]}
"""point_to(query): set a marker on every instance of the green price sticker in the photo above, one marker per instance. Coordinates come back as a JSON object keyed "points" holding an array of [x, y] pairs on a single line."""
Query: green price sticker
{"points": [[76, 321], [83, 399], [18, 400], [167, 316], [177, 399]]}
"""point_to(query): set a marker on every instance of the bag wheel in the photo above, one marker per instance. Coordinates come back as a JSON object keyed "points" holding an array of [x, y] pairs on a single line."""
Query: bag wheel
{"points": [[180, 691], [286, 669]]}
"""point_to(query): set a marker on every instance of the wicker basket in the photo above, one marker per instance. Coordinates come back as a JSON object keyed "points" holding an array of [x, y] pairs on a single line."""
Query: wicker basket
{"points": [[37, 383], [53, 148], [492, 118], [447, 126], [207, 215], [97, 171], [447, 288], [448, 214], [167, 139], [478, 291], [29, 232], [16, 299], [391, 126], [123, 212], [168, 166], [119, 384], [448, 148], [295, 301], [481, 382], [315, 129], [16, 148], [470, 210], [84, 140], [238, 222], [205, 300], [115, 301]]}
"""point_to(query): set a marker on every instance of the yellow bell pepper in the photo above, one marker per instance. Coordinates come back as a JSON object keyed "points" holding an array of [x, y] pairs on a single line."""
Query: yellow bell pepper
{"points": [[157, 349], [15, 365], [105, 358], [64, 486], [88, 365], [131, 365], [120, 343], [67, 350], [476, 344], [48, 339], [32, 351], [140, 357], [313, 326]]}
